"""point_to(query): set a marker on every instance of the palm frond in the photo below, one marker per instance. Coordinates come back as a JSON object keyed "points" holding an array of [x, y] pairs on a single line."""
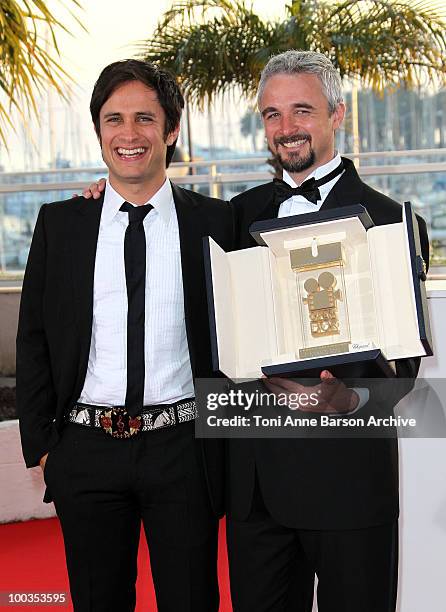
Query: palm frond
{"points": [[214, 46], [211, 57], [29, 61]]}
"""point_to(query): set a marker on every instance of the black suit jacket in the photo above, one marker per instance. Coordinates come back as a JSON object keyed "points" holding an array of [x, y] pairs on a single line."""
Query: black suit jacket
{"points": [[56, 312], [320, 483]]}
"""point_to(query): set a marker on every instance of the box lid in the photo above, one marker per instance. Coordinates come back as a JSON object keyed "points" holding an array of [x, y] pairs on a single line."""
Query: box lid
{"points": [[260, 227], [418, 268]]}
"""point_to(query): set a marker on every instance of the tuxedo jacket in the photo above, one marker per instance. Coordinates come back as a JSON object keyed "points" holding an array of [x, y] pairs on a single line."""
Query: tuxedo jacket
{"points": [[56, 313], [320, 483]]}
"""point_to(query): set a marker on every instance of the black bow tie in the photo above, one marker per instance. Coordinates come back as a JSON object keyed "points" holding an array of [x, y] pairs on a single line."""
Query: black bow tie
{"points": [[309, 189]]}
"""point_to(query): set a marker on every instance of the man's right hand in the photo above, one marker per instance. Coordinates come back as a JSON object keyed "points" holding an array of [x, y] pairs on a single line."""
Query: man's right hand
{"points": [[333, 397], [93, 191], [43, 461]]}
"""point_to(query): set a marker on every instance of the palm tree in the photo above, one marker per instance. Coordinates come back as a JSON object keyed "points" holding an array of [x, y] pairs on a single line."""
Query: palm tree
{"points": [[215, 46], [28, 64], [250, 124]]}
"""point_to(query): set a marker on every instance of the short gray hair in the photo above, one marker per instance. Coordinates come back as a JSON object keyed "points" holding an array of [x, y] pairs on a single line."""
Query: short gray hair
{"points": [[305, 62]]}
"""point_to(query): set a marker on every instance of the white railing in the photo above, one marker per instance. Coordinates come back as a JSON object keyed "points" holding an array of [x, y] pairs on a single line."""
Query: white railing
{"points": [[425, 186], [185, 173]]}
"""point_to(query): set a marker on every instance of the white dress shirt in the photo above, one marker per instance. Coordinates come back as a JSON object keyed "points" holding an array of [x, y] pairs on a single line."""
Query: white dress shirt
{"points": [[168, 373], [299, 205]]}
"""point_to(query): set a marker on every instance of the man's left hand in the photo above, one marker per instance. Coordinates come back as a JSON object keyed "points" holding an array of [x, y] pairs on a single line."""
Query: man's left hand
{"points": [[331, 393]]}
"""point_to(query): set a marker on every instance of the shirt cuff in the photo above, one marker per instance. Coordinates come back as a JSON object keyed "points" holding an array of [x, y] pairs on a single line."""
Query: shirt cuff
{"points": [[364, 396]]}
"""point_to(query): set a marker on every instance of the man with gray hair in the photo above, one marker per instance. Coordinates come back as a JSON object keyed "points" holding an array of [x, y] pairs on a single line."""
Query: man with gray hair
{"points": [[333, 502]]}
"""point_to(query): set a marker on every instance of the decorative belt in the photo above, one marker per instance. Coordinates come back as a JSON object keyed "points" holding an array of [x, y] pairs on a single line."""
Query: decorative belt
{"points": [[117, 422]]}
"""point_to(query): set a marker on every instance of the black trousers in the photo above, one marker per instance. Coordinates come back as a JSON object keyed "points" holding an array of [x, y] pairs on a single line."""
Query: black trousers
{"points": [[272, 566], [102, 489]]}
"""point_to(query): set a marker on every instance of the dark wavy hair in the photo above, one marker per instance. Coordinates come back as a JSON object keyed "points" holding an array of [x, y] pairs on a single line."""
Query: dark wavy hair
{"points": [[163, 82]]}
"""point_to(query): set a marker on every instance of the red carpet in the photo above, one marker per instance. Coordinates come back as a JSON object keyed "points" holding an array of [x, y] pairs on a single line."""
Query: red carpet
{"points": [[32, 560]]}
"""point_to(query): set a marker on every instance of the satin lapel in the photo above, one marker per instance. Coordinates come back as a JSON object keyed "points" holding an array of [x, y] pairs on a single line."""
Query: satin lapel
{"points": [[347, 191], [258, 210], [267, 209], [84, 238], [192, 228]]}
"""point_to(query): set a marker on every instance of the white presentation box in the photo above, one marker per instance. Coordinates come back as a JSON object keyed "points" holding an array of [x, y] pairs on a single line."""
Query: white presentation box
{"points": [[322, 290]]}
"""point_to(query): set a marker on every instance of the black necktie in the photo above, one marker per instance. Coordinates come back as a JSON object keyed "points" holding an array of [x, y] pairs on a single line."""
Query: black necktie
{"points": [[135, 276], [309, 189]]}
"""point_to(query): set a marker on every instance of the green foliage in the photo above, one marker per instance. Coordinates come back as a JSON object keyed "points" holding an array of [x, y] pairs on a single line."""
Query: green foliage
{"points": [[27, 60], [216, 45]]}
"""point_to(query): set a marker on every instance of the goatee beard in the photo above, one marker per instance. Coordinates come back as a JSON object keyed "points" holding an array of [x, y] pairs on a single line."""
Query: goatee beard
{"points": [[295, 163]]}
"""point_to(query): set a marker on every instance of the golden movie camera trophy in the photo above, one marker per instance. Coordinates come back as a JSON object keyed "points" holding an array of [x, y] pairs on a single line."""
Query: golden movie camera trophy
{"points": [[319, 271]]}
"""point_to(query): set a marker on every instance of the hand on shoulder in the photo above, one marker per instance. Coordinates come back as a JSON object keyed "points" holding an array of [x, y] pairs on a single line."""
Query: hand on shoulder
{"points": [[92, 191]]}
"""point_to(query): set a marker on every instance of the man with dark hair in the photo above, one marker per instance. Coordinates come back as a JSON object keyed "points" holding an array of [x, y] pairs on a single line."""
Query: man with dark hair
{"points": [[112, 332], [168, 93]]}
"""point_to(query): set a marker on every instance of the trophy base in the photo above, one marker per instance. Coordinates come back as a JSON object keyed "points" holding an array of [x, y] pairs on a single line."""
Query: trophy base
{"points": [[361, 364], [326, 349]]}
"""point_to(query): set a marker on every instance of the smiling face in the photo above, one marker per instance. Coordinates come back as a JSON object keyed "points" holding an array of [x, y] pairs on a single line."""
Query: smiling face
{"points": [[133, 141], [298, 127]]}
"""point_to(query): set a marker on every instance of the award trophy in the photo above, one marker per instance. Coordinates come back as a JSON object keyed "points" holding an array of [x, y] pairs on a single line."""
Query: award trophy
{"points": [[321, 297], [326, 290]]}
